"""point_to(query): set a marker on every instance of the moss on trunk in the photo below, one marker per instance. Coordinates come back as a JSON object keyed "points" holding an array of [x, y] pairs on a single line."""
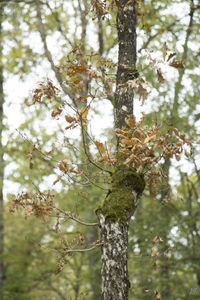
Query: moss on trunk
{"points": [[121, 200]]}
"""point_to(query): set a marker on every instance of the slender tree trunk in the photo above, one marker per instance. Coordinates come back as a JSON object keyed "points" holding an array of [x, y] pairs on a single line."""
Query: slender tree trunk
{"points": [[127, 186], [126, 28], [1, 157]]}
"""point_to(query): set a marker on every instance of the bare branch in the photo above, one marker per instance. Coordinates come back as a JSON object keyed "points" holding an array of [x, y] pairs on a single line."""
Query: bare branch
{"points": [[48, 53], [86, 152], [70, 216], [84, 250], [59, 25]]}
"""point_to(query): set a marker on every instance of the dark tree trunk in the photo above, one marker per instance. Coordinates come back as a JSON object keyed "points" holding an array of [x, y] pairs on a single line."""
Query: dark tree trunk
{"points": [[1, 157], [126, 27], [127, 186]]}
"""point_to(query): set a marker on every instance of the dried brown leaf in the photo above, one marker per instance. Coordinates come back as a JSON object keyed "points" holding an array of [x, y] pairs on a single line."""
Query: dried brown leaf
{"points": [[154, 252], [57, 179], [27, 211], [131, 121], [143, 93], [63, 167], [164, 50], [56, 112], [70, 119], [171, 55], [160, 76], [100, 146], [154, 239], [165, 254], [177, 64], [84, 111], [176, 131]]}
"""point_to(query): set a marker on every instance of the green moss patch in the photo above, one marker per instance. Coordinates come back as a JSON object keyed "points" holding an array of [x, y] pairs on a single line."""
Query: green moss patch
{"points": [[120, 202]]}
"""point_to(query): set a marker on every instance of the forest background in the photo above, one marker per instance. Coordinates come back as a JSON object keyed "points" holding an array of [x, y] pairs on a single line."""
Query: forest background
{"points": [[164, 232]]}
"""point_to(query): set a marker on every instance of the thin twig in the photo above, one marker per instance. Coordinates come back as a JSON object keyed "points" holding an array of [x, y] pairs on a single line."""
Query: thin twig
{"points": [[70, 216], [84, 250], [59, 25], [48, 53], [86, 153]]}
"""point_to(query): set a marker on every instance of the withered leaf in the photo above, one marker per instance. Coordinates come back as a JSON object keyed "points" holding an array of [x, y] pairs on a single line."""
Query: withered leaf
{"points": [[27, 211], [100, 146], [56, 112], [70, 119], [171, 55], [131, 121], [83, 112], [175, 131], [154, 252], [83, 98], [164, 50], [165, 254], [160, 76], [150, 137], [63, 166], [158, 295], [177, 64], [142, 92], [57, 179], [154, 239]]}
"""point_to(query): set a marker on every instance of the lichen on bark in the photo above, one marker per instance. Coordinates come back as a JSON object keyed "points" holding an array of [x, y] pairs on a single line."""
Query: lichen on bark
{"points": [[121, 201]]}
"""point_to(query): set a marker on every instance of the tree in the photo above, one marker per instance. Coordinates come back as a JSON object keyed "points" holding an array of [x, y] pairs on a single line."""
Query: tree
{"points": [[1, 156], [125, 181]]}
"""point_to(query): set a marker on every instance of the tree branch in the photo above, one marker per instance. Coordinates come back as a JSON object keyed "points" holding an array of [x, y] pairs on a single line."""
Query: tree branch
{"points": [[70, 216], [84, 250], [48, 53], [86, 153], [59, 25]]}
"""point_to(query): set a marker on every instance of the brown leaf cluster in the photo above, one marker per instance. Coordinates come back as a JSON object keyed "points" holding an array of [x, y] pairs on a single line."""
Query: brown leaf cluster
{"points": [[74, 69], [45, 89], [80, 118], [167, 56], [143, 148], [139, 85], [107, 156], [41, 205], [155, 252], [177, 64], [99, 7], [65, 168], [56, 112], [60, 266]]}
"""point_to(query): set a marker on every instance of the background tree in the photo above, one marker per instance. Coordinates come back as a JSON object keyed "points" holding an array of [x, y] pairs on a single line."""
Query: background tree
{"points": [[1, 156]]}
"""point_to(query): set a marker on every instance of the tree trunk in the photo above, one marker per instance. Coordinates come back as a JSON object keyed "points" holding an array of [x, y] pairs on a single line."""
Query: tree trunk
{"points": [[114, 271], [1, 157], [127, 186], [126, 28]]}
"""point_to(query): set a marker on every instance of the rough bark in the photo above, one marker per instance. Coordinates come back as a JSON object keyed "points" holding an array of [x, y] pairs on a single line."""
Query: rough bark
{"points": [[126, 27], [114, 271], [127, 186], [1, 158], [114, 215]]}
